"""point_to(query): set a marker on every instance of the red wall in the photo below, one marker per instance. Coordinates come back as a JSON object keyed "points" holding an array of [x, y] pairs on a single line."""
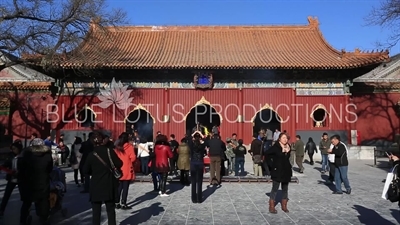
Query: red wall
{"points": [[376, 116], [228, 102], [335, 105], [26, 117]]}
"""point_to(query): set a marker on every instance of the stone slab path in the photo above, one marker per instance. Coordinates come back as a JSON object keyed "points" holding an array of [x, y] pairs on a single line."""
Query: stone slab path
{"points": [[311, 203]]}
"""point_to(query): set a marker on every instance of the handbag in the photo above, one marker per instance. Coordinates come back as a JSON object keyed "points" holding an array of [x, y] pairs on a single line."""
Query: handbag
{"points": [[117, 174], [259, 158], [391, 189]]}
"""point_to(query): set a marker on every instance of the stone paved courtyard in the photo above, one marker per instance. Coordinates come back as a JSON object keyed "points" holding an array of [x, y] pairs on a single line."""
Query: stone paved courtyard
{"points": [[311, 202]]}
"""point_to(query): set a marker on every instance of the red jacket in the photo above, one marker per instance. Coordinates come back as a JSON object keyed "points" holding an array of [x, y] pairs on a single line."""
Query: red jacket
{"points": [[127, 157], [162, 153]]}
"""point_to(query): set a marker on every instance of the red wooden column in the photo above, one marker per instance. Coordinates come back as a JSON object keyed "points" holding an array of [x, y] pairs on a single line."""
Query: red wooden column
{"points": [[293, 115], [166, 126], [347, 116], [241, 123]]}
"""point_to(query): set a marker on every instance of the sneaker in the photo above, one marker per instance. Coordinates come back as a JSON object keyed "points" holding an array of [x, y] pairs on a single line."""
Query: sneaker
{"points": [[164, 195], [348, 191], [159, 193], [118, 206], [126, 207]]}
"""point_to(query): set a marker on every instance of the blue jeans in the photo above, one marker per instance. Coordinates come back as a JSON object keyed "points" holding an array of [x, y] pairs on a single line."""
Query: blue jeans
{"points": [[325, 162], [156, 178], [341, 176], [144, 161], [239, 162]]}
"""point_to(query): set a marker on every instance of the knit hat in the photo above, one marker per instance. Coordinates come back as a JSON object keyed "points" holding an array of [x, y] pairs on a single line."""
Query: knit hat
{"points": [[37, 141]]}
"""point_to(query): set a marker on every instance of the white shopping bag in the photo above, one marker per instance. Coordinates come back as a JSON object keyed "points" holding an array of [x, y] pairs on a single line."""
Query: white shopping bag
{"points": [[389, 179]]}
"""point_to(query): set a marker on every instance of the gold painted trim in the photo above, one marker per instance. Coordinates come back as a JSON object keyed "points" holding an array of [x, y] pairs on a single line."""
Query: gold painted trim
{"points": [[86, 107], [203, 101], [140, 107], [319, 106], [266, 106]]}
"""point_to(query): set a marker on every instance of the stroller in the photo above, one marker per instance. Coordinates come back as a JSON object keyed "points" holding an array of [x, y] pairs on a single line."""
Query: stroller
{"points": [[57, 191]]}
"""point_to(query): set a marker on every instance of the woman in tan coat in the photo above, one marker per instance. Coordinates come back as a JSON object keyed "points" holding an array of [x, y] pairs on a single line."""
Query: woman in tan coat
{"points": [[184, 161]]}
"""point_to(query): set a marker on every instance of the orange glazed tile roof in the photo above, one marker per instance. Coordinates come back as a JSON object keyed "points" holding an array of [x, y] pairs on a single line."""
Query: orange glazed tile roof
{"points": [[215, 47]]}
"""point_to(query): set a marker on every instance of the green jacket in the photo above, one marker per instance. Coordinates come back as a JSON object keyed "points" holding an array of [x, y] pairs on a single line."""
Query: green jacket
{"points": [[324, 146], [299, 148], [229, 151]]}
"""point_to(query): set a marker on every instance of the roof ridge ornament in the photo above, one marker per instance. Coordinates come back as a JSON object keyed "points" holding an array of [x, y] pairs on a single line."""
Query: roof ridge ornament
{"points": [[313, 22]]}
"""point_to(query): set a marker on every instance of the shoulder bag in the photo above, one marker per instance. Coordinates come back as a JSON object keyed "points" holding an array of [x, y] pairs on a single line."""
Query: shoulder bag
{"points": [[257, 159], [117, 174], [393, 191]]}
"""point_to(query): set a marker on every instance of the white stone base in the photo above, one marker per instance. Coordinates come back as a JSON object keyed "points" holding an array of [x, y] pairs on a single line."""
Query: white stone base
{"points": [[361, 152]]}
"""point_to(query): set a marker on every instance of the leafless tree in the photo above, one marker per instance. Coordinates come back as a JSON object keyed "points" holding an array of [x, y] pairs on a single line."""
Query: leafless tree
{"points": [[387, 16], [47, 28]]}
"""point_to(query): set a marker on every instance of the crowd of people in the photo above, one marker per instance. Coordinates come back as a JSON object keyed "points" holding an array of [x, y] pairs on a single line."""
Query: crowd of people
{"points": [[106, 168]]}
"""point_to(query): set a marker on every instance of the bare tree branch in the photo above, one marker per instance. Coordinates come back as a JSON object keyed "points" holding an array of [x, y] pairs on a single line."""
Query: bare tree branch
{"points": [[387, 16], [46, 28]]}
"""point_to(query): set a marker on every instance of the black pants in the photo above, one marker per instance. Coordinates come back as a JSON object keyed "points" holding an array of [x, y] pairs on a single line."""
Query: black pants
{"points": [[172, 165], [123, 189], [76, 171], [275, 187], [184, 176], [311, 156], [86, 181], [163, 182], [7, 194], [96, 213], [331, 172], [196, 175], [266, 166], [42, 210], [64, 156]]}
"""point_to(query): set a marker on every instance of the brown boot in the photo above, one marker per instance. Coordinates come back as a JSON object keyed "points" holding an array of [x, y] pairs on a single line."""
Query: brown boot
{"points": [[284, 205], [272, 207]]}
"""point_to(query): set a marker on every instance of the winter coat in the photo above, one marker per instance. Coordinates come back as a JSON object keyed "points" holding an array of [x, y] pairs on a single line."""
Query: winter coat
{"points": [[162, 152], [103, 184], [281, 169], [34, 167], [77, 155], [311, 147], [8, 164], [127, 157], [184, 157], [298, 147], [86, 149]]}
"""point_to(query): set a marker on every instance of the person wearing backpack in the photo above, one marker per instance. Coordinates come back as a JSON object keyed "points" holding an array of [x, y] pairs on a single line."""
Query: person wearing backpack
{"points": [[240, 152]]}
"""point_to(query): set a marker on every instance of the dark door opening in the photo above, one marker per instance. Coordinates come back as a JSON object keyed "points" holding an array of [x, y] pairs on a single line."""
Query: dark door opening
{"points": [[143, 123], [205, 115], [266, 119], [86, 118], [319, 118]]}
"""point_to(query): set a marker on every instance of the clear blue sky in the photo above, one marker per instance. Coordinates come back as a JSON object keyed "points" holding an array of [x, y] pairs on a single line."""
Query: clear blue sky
{"points": [[342, 22]]}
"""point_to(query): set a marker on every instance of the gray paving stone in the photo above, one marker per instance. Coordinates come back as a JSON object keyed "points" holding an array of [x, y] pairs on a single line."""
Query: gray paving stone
{"points": [[311, 202]]}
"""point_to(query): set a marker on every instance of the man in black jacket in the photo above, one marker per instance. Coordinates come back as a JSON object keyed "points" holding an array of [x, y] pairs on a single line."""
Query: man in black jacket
{"points": [[85, 150], [341, 163], [216, 151]]}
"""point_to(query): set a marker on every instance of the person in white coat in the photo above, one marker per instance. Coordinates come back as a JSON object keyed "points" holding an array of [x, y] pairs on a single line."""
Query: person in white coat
{"points": [[144, 156], [75, 159]]}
